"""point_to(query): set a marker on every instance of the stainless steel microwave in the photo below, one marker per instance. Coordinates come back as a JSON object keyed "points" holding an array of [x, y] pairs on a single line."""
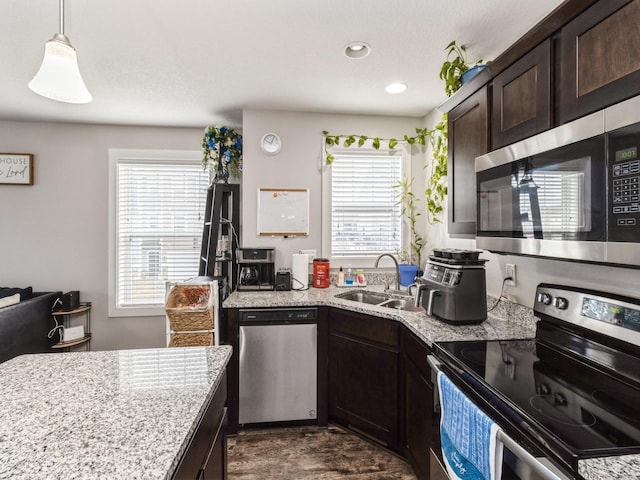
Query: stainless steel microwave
{"points": [[571, 192]]}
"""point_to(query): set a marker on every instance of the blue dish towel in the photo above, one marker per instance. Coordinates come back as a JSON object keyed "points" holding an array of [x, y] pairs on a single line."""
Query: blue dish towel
{"points": [[468, 436]]}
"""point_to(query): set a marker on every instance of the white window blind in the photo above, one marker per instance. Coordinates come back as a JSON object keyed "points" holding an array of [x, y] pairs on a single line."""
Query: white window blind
{"points": [[159, 220], [365, 220]]}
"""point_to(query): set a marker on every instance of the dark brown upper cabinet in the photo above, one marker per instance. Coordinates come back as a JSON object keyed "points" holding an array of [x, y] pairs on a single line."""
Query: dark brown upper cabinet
{"points": [[521, 104], [599, 58], [468, 125]]}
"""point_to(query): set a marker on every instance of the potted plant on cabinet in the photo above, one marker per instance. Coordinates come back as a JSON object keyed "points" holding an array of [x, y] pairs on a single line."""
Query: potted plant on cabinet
{"points": [[455, 71], [410, 259]]}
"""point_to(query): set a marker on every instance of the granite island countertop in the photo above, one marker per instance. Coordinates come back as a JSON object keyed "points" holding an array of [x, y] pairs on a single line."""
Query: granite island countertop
{"points": [[125, 414], [507, 321]]}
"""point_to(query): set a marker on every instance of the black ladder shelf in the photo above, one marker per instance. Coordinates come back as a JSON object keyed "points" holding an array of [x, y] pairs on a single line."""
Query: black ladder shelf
{"points": [[221, 217]]}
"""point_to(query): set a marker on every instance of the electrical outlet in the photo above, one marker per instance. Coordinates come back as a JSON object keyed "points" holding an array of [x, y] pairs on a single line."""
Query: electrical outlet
{"points": [[311, 253], [511, 272]]}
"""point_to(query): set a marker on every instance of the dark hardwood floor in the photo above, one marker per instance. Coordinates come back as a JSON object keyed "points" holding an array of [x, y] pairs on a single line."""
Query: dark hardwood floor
{"points": [[305, 453]]}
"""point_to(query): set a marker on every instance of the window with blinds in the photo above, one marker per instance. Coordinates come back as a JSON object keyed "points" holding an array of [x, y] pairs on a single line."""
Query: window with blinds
{"points": [[159, 208], [365, 220]]}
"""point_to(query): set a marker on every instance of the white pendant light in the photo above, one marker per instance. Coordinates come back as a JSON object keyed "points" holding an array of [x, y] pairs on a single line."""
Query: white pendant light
{"points": [[59, 76]]}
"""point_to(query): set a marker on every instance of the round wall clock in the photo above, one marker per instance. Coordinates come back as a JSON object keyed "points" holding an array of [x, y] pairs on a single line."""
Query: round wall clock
{"points": [[271, 143]]}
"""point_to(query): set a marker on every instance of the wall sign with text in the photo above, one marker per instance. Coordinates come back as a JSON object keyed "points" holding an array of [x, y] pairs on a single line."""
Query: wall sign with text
{"points": [[16, 168]]}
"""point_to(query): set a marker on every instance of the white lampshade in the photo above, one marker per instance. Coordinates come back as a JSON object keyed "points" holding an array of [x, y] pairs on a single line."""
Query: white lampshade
{"points": [[59, 76]]}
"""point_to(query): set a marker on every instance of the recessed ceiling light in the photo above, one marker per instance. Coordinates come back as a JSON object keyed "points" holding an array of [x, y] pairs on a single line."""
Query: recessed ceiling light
{"points": [[396, 88], [357, 50]]}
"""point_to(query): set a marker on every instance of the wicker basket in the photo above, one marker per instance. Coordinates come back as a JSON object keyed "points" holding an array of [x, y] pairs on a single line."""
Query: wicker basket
{"points": [[190, 307], [191, 340]]}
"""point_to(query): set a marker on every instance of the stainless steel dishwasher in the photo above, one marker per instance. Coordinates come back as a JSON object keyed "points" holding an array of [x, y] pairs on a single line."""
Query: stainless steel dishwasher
{"points": [[278, 365]]}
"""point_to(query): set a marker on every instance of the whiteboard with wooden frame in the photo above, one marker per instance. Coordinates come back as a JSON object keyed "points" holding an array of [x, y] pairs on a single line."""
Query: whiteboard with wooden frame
{"points": [[16, 169], [283, 212]]}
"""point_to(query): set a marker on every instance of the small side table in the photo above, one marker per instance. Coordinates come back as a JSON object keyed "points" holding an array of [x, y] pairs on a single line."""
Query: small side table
{"points": [[66, 321]]}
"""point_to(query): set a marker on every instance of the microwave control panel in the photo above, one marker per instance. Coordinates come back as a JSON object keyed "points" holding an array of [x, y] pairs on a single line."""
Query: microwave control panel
{"points": [[624, 191]]}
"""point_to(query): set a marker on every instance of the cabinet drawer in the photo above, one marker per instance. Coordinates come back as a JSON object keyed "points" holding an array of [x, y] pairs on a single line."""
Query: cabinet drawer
{"points": [[364, 327]]}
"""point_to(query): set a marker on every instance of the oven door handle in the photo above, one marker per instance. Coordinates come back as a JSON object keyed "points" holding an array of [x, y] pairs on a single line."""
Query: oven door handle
{"points": [[434, 363], [547, 472]]}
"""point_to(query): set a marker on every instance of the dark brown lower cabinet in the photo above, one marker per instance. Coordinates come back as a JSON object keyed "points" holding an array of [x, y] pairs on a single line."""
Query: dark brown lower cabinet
{"points": [[206, 455], [215, 466], [364, 376], [374, 375], [418, 405]]}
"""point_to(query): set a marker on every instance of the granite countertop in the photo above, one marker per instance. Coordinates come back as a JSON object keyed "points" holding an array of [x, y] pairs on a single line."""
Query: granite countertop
{"points": [[507, 321], [125, 414]]}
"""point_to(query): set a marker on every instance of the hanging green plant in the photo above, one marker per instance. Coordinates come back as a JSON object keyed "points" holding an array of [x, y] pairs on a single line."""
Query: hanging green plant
{"points": [[437, 183]]}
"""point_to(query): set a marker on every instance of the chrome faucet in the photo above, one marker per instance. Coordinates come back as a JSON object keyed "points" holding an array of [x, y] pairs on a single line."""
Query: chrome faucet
{"points": [[397, 268]]}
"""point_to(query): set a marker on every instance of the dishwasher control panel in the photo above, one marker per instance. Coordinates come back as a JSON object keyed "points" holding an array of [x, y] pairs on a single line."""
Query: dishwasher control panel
{"points": [[279, 315]]}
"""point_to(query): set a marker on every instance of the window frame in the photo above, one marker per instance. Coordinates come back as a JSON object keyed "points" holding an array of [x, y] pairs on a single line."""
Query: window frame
{"points": [[116, 156], [402, 148]]}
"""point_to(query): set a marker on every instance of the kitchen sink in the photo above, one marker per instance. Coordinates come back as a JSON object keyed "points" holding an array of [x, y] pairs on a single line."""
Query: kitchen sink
{"points": [[381, 300], [364, 297], [402, 304]]}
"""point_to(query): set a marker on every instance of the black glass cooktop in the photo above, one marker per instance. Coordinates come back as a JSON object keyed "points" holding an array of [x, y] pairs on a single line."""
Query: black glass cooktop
{"points": [[585, 398]]}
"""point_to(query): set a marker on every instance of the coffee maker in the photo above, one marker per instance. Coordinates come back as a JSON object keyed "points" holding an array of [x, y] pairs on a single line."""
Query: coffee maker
{"points": [[453, 287], [256, 269]]}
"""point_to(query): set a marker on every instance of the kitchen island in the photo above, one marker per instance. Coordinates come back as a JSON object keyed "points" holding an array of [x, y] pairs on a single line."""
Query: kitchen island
{"points": [[129, 414]]}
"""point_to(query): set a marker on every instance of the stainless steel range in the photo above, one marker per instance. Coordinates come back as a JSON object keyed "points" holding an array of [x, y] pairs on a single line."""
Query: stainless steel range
{"points": [[569, 394]]}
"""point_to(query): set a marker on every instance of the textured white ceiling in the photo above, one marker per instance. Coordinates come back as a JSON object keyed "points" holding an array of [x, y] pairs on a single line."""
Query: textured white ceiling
{"points": [[200, 62]]}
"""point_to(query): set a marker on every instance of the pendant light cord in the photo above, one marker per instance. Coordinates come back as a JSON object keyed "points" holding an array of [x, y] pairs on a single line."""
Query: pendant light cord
{"points": [[62, 17]]}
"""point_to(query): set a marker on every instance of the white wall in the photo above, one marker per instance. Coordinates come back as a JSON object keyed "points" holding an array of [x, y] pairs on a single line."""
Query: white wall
{"points": [[53, 235], [532, 271], [299, 165]]}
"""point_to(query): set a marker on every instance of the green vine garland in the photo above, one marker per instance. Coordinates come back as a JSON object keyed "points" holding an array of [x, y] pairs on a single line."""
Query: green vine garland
{"points": [[419, 138]]}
